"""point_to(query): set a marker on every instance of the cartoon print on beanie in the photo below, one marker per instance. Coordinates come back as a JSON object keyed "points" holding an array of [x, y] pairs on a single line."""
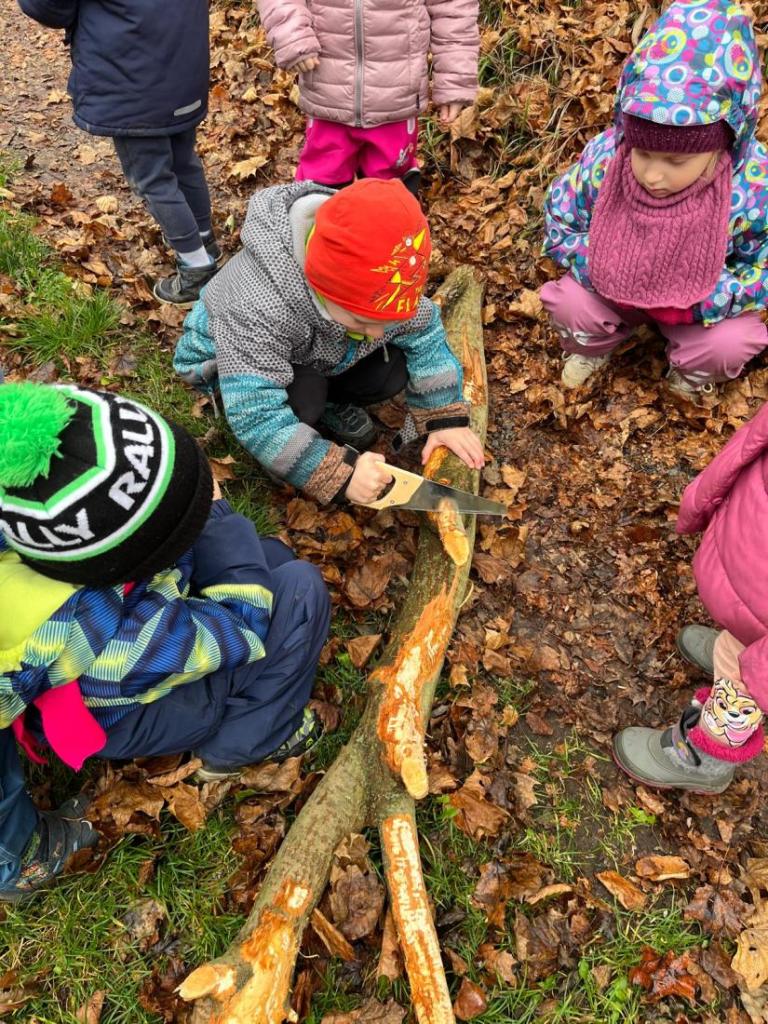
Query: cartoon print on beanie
{"points": [[407, 266], [730, 715]]}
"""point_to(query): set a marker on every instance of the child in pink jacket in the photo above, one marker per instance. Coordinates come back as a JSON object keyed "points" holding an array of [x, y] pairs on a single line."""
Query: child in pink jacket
{"points": [[728, 501], [363, 78]]}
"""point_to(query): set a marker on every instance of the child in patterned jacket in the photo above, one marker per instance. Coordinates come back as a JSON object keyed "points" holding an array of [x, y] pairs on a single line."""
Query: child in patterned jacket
{"points": [[139, 615], [664, 219], [364, 75], [320, 314]]}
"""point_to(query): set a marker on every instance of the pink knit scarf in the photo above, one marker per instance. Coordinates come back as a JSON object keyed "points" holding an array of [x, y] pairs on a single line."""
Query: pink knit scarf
{"points": [[647, 252]]}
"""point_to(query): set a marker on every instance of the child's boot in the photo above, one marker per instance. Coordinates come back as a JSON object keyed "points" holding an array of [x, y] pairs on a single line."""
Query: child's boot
{"points": [[58, 835], [666, 759], [299, 742], [183, 288], [348, 424], [697, 646], [212, 246], [689, 389], [577, 369]]}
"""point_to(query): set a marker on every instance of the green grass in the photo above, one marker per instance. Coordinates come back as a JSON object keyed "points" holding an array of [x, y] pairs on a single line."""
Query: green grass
{"points": [[65, 941]]}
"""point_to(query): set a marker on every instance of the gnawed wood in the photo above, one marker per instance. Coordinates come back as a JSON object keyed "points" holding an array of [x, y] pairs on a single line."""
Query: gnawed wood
{"points": [[415, 927], [363, 786]]}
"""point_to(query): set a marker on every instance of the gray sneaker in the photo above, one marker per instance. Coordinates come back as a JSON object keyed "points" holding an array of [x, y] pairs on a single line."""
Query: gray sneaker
{"points": [[697, 646], [183, 287], [664, 758], [348, 424]]}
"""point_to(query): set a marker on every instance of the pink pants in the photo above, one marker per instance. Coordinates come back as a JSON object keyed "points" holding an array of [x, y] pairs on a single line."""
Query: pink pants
{"points": [[594, 326], [334, 153]]}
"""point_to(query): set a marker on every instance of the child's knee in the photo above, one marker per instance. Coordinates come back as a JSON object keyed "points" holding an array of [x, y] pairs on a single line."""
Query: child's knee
{"points": [[722, 349]]}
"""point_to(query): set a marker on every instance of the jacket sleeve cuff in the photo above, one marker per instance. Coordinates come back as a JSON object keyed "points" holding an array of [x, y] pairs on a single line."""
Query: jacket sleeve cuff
{"points": [[421, 422], [330, 479]]}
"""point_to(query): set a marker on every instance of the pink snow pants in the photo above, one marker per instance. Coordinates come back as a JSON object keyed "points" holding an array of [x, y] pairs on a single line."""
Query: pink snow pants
{"points": [[594, 326], [334, 153]]}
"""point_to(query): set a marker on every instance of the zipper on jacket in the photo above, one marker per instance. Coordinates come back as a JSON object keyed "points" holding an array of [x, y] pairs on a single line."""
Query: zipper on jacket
{"points": [[359, 48], [386, 353]]}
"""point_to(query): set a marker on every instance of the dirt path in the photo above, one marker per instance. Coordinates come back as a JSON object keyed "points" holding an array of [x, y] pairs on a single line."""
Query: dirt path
{"points": [[581, 592]]}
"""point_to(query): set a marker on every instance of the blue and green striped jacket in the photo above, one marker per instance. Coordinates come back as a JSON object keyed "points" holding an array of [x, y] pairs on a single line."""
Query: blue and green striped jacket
{"points": [[210, 611]]}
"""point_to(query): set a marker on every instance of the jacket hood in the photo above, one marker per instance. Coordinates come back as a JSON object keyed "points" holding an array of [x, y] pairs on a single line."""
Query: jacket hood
{"points": [[276, 217], [699, 64]]}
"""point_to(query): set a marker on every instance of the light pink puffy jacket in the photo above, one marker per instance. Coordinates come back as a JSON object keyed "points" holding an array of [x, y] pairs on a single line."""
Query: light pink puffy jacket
{"points": [[373, 54]]}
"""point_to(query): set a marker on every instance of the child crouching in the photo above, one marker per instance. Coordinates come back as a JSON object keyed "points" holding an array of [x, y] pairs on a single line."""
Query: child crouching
{"points": [[319, 315], [137, 618], [663, 219]]}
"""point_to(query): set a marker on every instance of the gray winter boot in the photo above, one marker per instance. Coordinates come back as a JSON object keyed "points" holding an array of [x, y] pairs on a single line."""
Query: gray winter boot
{"points": [[665, 759], [183, 288], [697, 646]]}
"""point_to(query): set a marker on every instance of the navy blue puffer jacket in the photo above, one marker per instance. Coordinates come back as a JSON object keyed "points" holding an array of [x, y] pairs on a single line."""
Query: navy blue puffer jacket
{"points": [[139, 67]]}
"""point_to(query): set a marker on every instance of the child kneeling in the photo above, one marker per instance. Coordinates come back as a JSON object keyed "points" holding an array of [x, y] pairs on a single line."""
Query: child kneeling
{"points": [[137, 616], [319, 315], [663, 219]]}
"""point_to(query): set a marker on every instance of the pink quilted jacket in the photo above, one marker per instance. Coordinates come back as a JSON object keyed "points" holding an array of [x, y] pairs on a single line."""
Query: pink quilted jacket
{"points": [[373, 54], [729, 502]]}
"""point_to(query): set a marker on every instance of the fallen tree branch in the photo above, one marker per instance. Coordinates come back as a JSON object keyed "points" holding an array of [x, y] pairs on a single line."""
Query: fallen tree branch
{"points": [[376, 777]]}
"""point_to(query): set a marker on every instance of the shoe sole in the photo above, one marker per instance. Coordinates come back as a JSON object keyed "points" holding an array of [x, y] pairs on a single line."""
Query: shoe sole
{"points": [[663, 785], [170, 302]]}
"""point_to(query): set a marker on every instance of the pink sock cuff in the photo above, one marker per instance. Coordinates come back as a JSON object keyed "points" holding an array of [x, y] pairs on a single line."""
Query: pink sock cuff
{"points": [[736, 755], [702, 695]]}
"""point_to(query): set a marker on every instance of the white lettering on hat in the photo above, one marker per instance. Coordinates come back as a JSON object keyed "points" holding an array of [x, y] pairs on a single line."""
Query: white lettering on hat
{"points": [[123, 487], [61, 536], [139, 455]]}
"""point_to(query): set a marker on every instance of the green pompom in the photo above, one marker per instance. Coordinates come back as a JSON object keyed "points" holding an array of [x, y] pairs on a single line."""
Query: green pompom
{"points": [[32, 416]]}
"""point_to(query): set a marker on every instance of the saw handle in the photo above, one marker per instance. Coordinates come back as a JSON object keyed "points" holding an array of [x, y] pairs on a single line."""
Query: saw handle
{"points": [[402, 488]]}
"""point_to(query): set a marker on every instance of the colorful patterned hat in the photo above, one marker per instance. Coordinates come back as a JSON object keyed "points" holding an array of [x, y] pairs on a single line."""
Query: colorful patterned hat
{"points": [[96, 489], [369, 250]]}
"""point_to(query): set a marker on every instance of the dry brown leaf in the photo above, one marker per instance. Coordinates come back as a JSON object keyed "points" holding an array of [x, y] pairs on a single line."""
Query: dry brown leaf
{"points": [[247, 168], [475, 815], [271, 777], [331, 937], [222, 468], [628, 895], [470, 1002], [107, 204], [357, 900], [366, 582], [140, 928], [557, 889], [660, 869], [371, 1012], [500, 962], [751, 959], [390, 964], [185, 804], [360, 648], [90, 1012]]}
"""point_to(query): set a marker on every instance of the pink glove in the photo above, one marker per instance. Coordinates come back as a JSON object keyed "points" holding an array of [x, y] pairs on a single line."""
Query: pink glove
{"points": [[669, 315]]}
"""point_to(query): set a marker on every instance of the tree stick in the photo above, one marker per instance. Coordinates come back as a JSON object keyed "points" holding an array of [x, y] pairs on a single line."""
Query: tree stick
{"points": [[251, 981]]}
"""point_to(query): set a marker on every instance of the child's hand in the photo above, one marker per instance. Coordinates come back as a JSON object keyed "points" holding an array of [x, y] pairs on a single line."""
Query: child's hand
{"points": [[369, 478], [449, 112], [305, 64], [461, 441]]}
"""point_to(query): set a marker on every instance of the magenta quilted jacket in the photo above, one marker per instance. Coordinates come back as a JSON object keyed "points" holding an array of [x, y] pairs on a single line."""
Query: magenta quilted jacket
{"points": [[373, 54], [729, 502]]}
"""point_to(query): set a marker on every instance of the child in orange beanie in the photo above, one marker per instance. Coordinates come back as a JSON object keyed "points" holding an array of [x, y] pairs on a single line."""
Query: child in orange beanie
{"points": [[319, 315]]}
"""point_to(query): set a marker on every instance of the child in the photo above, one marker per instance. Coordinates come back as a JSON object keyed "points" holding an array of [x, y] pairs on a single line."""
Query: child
{"points": [[322, 312], [364, 78], [136, 618], [140, 76], [663, 219], [724, 727]]}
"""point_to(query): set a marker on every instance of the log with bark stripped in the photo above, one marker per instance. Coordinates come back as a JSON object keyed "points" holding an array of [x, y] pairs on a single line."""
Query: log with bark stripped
{"points": [[376, 776]]}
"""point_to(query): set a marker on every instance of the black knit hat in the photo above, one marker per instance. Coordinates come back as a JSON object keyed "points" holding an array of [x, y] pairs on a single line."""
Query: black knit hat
{"points": [[96, 489]]}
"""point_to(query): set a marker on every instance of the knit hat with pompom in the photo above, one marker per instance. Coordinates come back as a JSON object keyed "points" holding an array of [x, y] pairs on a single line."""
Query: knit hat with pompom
{"points": [[96, 489]]}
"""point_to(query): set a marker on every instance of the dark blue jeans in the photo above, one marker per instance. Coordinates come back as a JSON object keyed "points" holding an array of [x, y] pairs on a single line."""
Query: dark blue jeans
{"points": [[166, 172], [228, 718]]}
